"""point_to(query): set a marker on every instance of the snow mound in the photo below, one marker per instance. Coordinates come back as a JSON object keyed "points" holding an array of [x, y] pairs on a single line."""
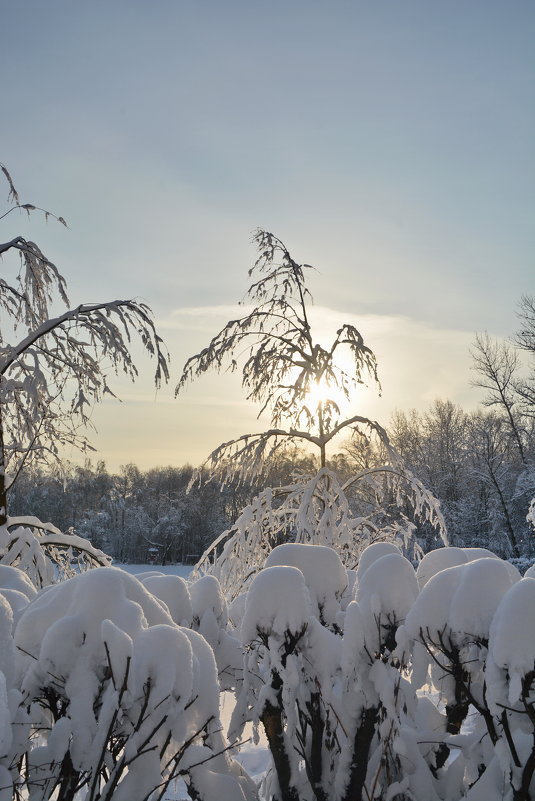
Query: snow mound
{"points": [[388, 586], [530, 572], [371, 553], [385, 594], [461, 601], [483, 584], [442, 558], [67, 615], [11, 578], [277, 602], [173, 591], [431, 611], [325, 575], [206, 596], [512, 633]]}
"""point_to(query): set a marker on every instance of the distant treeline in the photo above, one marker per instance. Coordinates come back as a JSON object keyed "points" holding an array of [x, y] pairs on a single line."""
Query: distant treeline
{"points": [[140, 516], [481, 466]]}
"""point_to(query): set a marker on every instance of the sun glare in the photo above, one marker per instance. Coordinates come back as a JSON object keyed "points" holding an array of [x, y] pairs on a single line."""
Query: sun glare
{"points": [[322, 392]]}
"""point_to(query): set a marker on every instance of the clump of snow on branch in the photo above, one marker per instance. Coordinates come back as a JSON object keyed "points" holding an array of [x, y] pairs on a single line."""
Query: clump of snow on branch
{"points": [[323, 571], [442, 558]]}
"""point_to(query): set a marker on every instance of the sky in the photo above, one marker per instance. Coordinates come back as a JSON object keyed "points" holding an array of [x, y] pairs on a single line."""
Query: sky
{"points": [[389, 144]]}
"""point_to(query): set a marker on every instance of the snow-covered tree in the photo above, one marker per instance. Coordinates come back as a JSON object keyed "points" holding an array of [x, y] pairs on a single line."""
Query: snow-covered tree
{"points": [[296, 378], [525, 340], [318, 511], [55, 364], [496, 365], [510, 390], [286, 370]]}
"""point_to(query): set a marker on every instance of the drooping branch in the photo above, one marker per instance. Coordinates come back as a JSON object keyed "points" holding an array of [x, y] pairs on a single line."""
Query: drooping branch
{"points": [[53, 367], [83, 316]]}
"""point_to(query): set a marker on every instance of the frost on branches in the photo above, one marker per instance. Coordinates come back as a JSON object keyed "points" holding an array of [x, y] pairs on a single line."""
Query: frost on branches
{"points": [[298, 379], [54, 365], [285, 370], [44, 553]]}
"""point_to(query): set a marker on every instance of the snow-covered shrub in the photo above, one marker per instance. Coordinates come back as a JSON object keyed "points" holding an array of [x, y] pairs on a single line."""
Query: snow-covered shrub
{"points": [[473, 635], [511, 686], [44, 553], [324, 574], [318, 511], [173, 591], [210, 618], [329, 697], [371, 553], [116, 699], [400, 693], [422, 694]]}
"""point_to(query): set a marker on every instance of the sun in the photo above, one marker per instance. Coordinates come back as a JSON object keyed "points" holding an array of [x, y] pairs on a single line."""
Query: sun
{"points": [[322, 392]]}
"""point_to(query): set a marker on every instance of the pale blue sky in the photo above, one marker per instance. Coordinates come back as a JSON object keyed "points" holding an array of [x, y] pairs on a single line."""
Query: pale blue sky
{"points": [[388, 143]]}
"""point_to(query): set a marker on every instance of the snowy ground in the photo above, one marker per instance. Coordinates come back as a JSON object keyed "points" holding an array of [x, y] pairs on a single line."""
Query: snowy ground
{"points": [[169, 570], [254, 758]]}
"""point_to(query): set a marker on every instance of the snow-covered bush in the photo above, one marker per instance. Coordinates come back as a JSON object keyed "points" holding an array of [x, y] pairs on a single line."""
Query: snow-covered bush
{"points": [[110, 698], [403, 693], [44, 553], [384, 682], [318, 511], [324, 682]]}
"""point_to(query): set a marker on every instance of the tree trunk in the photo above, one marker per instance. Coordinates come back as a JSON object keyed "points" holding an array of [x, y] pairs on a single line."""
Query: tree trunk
{"points": [[322, 435], [361, 750], [274, 728], [508, 523], [3, 486], [315, 764], [69, 780]]}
